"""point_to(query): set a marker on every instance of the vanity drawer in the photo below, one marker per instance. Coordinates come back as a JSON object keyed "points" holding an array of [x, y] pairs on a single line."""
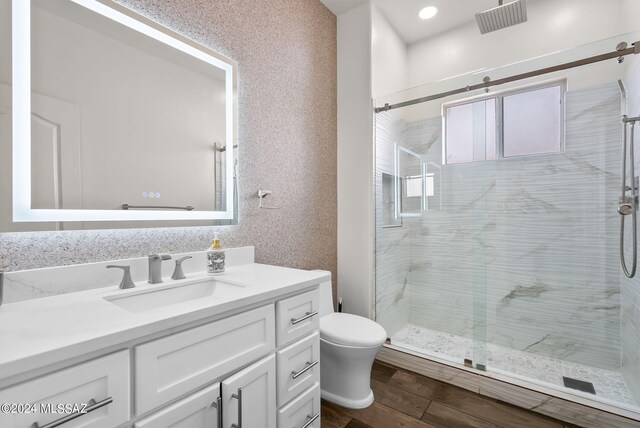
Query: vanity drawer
{"points": [[102, 379], [302, 361], [297, 316], [302, 410], [172, 366], [199, 410]]}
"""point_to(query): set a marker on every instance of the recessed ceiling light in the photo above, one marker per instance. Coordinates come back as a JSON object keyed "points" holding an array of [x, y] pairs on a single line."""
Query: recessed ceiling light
{"points": [[428, 12]]}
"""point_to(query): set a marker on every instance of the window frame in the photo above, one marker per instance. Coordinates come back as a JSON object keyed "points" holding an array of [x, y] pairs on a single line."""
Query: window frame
{"points": [[499, 115]]}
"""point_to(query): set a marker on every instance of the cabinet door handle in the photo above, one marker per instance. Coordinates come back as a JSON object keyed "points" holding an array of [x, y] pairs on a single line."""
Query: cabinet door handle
{"points": [[311, 420], [238, 396], [307, 316], [91, 406], [218, 405], [309, 366]]}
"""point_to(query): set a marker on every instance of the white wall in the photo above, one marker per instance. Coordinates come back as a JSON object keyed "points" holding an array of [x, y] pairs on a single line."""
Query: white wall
{"points": [[355, 160], [372, 61], [552, 26], [631, 15], [388, 57]]}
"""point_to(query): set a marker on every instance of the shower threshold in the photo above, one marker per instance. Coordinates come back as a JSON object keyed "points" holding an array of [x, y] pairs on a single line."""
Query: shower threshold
{"points": [[609, 385]]}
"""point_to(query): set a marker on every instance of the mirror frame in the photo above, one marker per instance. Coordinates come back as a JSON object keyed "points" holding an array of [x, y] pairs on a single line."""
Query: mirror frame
{"points": [[21, 116]]}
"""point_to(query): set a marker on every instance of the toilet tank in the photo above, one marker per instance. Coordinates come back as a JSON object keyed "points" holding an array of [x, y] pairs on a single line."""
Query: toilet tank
{"points": [[326, 298]]}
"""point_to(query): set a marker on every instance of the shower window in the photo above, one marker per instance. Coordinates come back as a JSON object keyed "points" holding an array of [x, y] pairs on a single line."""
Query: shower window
{"points": [[469, 131], [519, 122]]}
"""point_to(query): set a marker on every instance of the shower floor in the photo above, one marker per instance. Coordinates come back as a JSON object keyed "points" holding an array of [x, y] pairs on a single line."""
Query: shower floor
{"points": [[609, 385]]}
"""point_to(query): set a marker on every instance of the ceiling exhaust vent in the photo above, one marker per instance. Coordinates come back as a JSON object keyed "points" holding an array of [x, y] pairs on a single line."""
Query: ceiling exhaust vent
{"points": [[502, 16]]}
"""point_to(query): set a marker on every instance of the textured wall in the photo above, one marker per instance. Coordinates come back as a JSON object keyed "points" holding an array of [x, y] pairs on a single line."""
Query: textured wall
{"points": [[286, 51]]}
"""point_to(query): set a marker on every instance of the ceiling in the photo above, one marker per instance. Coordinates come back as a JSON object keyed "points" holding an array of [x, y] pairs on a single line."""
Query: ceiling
{"points": [[403, 14], [341, 6]]}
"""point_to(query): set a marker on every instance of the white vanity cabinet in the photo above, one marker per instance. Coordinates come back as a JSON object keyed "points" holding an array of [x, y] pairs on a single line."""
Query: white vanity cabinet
{"points": [[256, 368], [287, 378]]}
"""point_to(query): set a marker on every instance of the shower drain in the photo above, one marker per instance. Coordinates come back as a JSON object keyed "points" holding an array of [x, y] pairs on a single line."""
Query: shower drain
{"points": [[580, 385]]}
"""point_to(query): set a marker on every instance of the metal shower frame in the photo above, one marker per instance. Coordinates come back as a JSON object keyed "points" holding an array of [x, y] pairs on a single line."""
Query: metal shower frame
{"points": [[621, 51]]}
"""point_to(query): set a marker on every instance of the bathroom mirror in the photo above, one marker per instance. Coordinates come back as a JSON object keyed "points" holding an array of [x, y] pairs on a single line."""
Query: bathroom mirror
{"points": [[110, 117]]}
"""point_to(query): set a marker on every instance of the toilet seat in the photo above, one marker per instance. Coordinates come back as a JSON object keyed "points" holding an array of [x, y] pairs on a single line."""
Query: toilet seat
{"points": [[351, 330]]}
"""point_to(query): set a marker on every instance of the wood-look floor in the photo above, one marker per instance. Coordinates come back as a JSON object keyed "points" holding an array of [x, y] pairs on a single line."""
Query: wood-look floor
{"points": [[407, 399]]}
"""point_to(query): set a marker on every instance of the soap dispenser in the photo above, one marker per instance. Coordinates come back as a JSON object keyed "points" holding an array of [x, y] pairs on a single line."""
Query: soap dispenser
{"points": [[215, 258]]}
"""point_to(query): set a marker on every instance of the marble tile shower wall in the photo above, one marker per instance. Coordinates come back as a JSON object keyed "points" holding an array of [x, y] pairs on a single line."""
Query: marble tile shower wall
{"points": [[535, 237], [630, 288]]}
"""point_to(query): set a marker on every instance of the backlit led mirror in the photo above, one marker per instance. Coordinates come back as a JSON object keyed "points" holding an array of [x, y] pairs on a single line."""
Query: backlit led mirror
{"points": [[106, 116]]}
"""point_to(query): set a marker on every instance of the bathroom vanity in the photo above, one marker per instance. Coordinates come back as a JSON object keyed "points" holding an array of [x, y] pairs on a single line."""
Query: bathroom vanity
{"points": [[236, 350]]}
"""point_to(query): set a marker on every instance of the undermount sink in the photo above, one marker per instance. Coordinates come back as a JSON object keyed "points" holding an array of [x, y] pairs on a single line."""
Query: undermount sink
{"points": [[162, 295]]}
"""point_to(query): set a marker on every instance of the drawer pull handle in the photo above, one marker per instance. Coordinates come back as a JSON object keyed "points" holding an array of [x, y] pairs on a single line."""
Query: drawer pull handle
{"points": [[309, 366], [218, 405], [307, 316], [238, 396], [91, 406], [311, 420]]}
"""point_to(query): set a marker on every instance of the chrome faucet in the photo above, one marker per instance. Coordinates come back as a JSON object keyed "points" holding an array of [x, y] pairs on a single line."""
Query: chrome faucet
{"points": [[155, 267]]}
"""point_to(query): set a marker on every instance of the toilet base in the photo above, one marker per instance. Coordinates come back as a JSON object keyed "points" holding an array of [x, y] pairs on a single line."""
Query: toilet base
{"points": [[345, 402]]}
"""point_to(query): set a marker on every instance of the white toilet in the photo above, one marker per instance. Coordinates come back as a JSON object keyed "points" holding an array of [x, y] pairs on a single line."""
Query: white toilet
{"points": [[348, 346]]}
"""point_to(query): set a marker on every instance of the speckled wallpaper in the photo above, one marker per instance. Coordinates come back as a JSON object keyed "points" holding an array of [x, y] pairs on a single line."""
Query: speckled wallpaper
{"points": [[286, 51]]}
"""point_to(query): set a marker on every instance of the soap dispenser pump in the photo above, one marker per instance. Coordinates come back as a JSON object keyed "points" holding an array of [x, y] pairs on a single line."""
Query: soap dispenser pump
{"points": [[215, 258]]}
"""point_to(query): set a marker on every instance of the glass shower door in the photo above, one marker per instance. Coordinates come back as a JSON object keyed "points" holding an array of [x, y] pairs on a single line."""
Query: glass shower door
{"points": [[430, 227], [497, 230]]}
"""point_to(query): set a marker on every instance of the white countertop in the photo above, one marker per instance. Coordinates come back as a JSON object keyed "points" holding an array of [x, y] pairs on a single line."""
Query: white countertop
{"points": [[36, 333]]}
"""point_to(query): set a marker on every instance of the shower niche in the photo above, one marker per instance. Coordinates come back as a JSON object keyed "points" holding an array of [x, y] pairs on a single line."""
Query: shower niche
{"points": [[390, 217]]}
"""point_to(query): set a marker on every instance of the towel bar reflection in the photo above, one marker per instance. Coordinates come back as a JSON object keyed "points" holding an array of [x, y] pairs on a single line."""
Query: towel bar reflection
{"points": [[155, 207]]}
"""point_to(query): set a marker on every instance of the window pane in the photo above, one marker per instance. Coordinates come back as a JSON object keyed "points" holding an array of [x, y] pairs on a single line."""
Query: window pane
{"points": [[531, 122], [459, 134], [470, 132], [490, 130]]}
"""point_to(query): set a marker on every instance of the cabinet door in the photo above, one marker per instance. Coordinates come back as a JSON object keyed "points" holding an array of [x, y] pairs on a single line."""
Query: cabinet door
{"points": [[199, 410], [104, 380], [249, 396]]}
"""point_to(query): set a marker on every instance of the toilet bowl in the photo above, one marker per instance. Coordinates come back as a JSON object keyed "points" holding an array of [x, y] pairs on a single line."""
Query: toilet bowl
{"points": [[348, 345]]}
